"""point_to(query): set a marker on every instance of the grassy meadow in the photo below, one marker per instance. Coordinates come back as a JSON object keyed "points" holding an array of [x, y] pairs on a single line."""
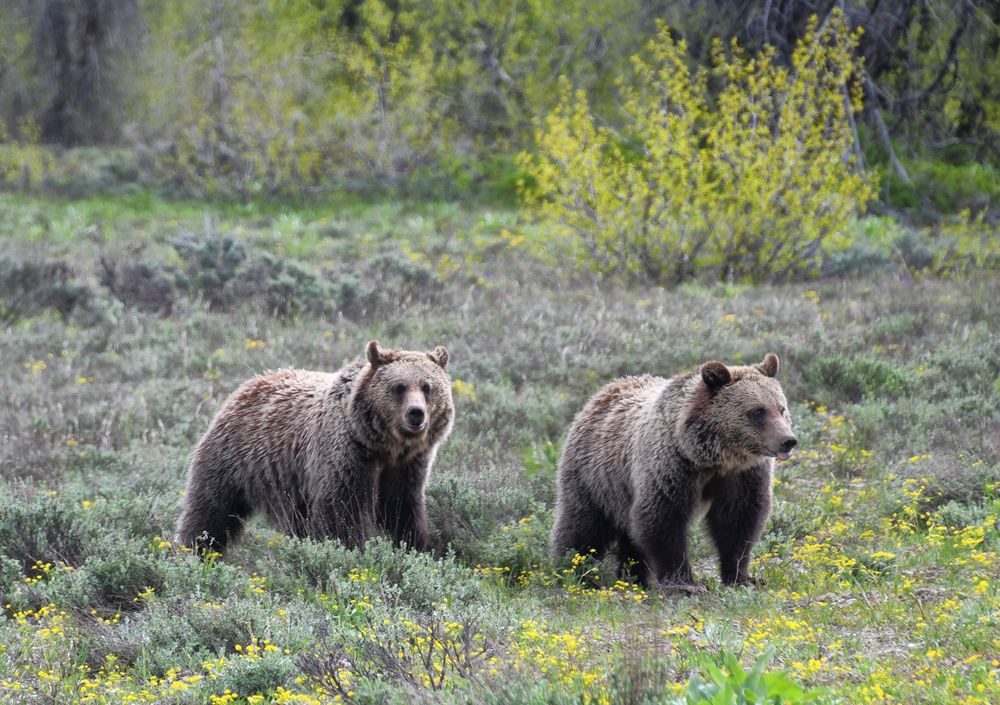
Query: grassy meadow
{"points": [[128, 320]]}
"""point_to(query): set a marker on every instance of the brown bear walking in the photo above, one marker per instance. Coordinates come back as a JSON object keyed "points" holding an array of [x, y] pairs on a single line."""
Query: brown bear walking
{"points": [[324, 455], [648, 454]]}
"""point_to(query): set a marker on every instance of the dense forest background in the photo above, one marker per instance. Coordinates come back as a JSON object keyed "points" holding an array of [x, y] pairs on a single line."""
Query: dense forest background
{"points": [[433, 98]]}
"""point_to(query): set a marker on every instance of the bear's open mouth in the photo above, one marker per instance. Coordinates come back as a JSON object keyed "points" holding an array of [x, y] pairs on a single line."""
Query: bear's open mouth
{"points": [[409, 430], [783, 455]]}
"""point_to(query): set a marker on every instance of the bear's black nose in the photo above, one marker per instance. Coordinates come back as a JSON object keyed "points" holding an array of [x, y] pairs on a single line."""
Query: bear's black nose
{"points": [[415, 416], [788, 444]]}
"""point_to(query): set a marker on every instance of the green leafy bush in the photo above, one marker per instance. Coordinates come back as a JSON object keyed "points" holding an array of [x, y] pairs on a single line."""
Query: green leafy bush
{"points": [[493, 179], [945, 188], [210, 262], [261, 674], [117, 580], [542, 459], [283, 287], [23, 162], [10, 573], [465, 516], [856, 378], [727, 683], [872, 247], [37, 526]]}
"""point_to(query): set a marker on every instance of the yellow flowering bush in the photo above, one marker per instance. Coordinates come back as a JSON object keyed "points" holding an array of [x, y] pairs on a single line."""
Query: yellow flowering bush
{"points": [[745, 171], [23, 162]]}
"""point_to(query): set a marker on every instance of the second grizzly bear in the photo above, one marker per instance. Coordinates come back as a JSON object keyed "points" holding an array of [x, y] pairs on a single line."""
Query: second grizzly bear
{"points": [[647, 454], [323, 455]]}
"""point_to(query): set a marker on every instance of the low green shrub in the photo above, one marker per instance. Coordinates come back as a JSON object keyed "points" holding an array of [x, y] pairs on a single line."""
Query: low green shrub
{"points": [[463, 513], [146, 286], [496, 179], [260, 674], [27, 288], [40, 526], [947, 188], [119, 578], [186, 632], [210, 262], [282, 287], [871, 247], [542, 459], [10, 574], [854, 378], [958, 515], [518, 549]]}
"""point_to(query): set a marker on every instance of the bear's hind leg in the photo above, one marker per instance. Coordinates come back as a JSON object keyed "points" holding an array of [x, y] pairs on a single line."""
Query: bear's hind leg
{"points": [[290, 515], [212, 521], [580, 526], [740, 506]]}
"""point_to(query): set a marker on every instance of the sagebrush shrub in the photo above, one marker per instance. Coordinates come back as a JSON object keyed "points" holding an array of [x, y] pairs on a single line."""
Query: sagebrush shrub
{"points": [[257, 675], [140, 285], [118, 580], [42, 527], [857, 377], [210, 261], [751, 184], [27, 288]]}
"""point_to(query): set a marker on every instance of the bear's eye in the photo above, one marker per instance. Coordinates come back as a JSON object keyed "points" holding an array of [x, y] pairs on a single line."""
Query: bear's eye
{"points": [[782, 411], [758, 414], [426, 389], [398, 389]]}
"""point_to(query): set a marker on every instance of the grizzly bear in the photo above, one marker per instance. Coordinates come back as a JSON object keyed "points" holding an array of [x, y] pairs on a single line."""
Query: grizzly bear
{"points": [[323, 455], [646, 455]]}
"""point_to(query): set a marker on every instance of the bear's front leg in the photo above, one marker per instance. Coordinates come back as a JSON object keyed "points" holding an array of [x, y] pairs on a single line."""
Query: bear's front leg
{"points": [[659, 525], [344, 508], [401, 507], [740, 506]]}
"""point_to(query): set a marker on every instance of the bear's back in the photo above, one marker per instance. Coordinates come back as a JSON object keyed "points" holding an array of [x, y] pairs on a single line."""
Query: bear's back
{"points": [[597, 453], [271, 414], [285, 389], [621, 407]]}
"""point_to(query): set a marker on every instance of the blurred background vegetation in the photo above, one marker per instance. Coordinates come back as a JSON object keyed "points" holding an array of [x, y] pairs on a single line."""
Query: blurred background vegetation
{"points": [[298, 97], [664, 140]]}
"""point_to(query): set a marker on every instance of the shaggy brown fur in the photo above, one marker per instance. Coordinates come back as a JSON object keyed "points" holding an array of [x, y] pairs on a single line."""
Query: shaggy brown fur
{"points": [[648, 454], [323, 455]]}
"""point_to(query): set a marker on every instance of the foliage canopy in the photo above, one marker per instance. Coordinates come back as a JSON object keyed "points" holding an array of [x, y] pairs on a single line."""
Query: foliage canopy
{"points": [[750, 184]]}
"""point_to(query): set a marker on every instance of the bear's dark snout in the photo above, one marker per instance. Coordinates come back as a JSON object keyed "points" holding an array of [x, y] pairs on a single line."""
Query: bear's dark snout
{"points": [[788, 444], [415, 416]]}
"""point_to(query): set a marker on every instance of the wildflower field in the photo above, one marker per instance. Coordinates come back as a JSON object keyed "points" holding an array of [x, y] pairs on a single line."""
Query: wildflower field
{"points": [[127, 321]]}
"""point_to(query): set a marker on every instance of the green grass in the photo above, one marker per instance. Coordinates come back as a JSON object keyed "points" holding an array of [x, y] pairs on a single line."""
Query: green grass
{"points": [[880, 557]]}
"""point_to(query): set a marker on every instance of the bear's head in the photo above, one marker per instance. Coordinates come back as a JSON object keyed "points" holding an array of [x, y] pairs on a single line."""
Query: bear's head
{"points": [[738, 415], [409, 393]]}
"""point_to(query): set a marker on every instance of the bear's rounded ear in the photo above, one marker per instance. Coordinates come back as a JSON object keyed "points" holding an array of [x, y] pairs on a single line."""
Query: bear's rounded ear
{"points": [[374, 353], [440, 355], [770, 365], [715, 374]]}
